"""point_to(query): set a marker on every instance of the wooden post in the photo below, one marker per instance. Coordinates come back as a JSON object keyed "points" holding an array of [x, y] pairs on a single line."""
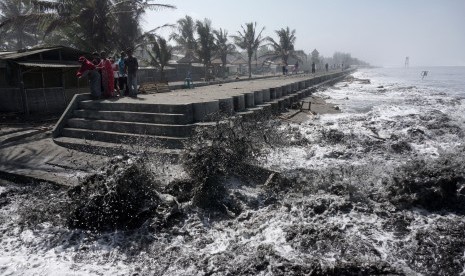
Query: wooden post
{"points": [[43, 88], [63, 84], [22, 90]]}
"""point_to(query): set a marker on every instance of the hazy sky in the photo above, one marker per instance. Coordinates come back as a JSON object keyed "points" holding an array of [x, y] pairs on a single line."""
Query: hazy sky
{"points": [[381, 32]]}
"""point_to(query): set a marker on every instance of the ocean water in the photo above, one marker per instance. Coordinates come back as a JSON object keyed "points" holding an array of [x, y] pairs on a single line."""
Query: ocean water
{"points": [[386, 102], [376, 189], [447, 81]]}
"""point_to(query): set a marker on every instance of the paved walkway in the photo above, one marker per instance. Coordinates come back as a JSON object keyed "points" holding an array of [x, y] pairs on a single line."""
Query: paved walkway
{"points": [[215, 92], [24, 158]]}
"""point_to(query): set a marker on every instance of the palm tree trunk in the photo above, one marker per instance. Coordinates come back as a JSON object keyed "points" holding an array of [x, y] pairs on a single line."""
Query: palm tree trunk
{"points": [[224, 70], [162, 74], [250, 66]]}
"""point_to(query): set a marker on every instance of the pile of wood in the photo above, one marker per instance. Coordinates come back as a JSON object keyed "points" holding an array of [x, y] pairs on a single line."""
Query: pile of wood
{"points": [[154, 87]]}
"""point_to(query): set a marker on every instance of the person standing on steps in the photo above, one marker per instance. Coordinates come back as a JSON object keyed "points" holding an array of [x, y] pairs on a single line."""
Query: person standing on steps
{"points": [[114, 66], [131, 66], [326, 66], [107, 76], [90, 70], [313, 68], [123, 77], [96, 61]]}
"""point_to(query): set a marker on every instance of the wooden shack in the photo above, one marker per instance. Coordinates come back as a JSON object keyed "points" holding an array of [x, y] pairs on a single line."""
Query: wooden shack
{"points": [[39, 80]]}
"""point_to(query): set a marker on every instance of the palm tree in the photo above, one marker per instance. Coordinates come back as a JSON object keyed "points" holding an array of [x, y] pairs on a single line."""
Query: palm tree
{"points": [[206, 43], [96, 24], [128, 17], [160, 54], [185, 36], [249, 40], [284, 48], [223, 47], [18, 24]]}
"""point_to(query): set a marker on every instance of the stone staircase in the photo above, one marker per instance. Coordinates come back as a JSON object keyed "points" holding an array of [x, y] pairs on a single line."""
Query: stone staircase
{"points": [[98, 126]]}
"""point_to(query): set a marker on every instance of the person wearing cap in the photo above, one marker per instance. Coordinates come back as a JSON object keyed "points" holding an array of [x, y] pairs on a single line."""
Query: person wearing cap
{"points": [[131, 67], [95, 58], [90, 70]]}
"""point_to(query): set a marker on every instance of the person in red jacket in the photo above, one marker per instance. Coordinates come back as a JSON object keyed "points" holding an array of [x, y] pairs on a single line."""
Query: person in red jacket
{"points": [[90, 70]]}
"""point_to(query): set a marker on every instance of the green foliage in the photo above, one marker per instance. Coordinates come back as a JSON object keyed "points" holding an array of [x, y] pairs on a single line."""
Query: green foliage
{"points": [[284, 48], [223, 47], [160, 53], [18, 24], [185, 35], [88, 24], [248, 39], [206, 41]]}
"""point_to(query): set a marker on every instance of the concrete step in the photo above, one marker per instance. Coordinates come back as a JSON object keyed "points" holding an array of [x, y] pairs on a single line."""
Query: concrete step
{"points": [[125, 138], [137, 107], [112, 149], [141, 117], [132, 127]]}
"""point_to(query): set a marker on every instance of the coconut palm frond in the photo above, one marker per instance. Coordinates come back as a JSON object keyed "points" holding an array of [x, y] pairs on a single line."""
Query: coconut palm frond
{"points": [[161, 27], [6, 22], [283, 48], [157, 7]]}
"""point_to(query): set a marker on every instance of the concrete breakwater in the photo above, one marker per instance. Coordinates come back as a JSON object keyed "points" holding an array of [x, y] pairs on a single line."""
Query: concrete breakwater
{"points": [[168, 119]]}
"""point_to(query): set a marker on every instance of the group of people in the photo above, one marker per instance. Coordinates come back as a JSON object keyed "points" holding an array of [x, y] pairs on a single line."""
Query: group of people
{"points": [[294, 70], [110, 78]]}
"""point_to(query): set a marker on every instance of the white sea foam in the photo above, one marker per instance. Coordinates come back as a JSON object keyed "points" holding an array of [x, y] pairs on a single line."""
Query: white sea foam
{"points": [[379, 129]]}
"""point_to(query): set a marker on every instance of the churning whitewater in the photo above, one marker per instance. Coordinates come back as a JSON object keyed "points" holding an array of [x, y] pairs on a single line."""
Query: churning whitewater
{"points": [[378, 189]]}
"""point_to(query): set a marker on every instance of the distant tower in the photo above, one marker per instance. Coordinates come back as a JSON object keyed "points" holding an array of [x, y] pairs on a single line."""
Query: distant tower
{"points": [[407, 62]]}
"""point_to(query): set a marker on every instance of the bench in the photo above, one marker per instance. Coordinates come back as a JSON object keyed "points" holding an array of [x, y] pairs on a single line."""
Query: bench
{"points": [[300, 105]]}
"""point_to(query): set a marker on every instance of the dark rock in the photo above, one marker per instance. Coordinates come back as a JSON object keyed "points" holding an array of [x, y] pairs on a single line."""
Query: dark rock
{"points": [[401, 147]]}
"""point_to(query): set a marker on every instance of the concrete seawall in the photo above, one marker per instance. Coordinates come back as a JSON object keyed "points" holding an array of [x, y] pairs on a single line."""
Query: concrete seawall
{"points": [[99, 129], [167, 119]]}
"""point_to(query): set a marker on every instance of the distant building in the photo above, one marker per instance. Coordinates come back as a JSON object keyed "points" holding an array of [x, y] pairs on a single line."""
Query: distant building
{"points": [[39, 80]]}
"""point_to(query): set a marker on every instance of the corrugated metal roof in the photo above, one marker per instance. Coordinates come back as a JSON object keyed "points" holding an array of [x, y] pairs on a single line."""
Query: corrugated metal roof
{"points": [[189, 58], [50, 65], [26, 53], [239, 60], [6, 53], [19, 54]]}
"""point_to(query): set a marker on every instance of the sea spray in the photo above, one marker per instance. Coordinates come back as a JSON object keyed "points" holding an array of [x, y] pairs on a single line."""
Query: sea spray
{"points": [[220, 152], [122, 197]]}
